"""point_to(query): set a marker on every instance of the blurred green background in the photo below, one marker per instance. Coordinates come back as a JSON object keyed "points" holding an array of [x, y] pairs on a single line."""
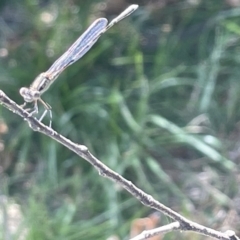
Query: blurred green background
{"points": [[156, 99]]}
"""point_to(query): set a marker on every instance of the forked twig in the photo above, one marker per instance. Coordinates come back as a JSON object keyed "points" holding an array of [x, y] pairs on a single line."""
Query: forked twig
{"points": [[180, 223]]}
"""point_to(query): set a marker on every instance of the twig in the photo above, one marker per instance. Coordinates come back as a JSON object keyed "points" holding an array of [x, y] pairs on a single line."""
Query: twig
{"points": [[157, 231], [182, 224]]}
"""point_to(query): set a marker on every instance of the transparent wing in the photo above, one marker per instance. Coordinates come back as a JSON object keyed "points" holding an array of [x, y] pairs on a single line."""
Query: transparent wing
{"points": [[85, 42], [79, 47]]}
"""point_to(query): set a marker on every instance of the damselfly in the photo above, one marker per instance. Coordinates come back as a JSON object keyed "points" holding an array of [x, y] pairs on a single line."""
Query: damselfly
{"points": [[82, 45]]}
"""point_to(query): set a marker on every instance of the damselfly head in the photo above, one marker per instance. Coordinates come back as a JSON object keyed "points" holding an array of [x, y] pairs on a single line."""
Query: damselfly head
{"points": [[29, 95]]}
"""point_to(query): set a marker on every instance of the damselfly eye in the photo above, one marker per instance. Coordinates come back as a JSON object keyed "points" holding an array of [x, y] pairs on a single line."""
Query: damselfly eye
{"points": [[28, 95], [23, 91]]}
